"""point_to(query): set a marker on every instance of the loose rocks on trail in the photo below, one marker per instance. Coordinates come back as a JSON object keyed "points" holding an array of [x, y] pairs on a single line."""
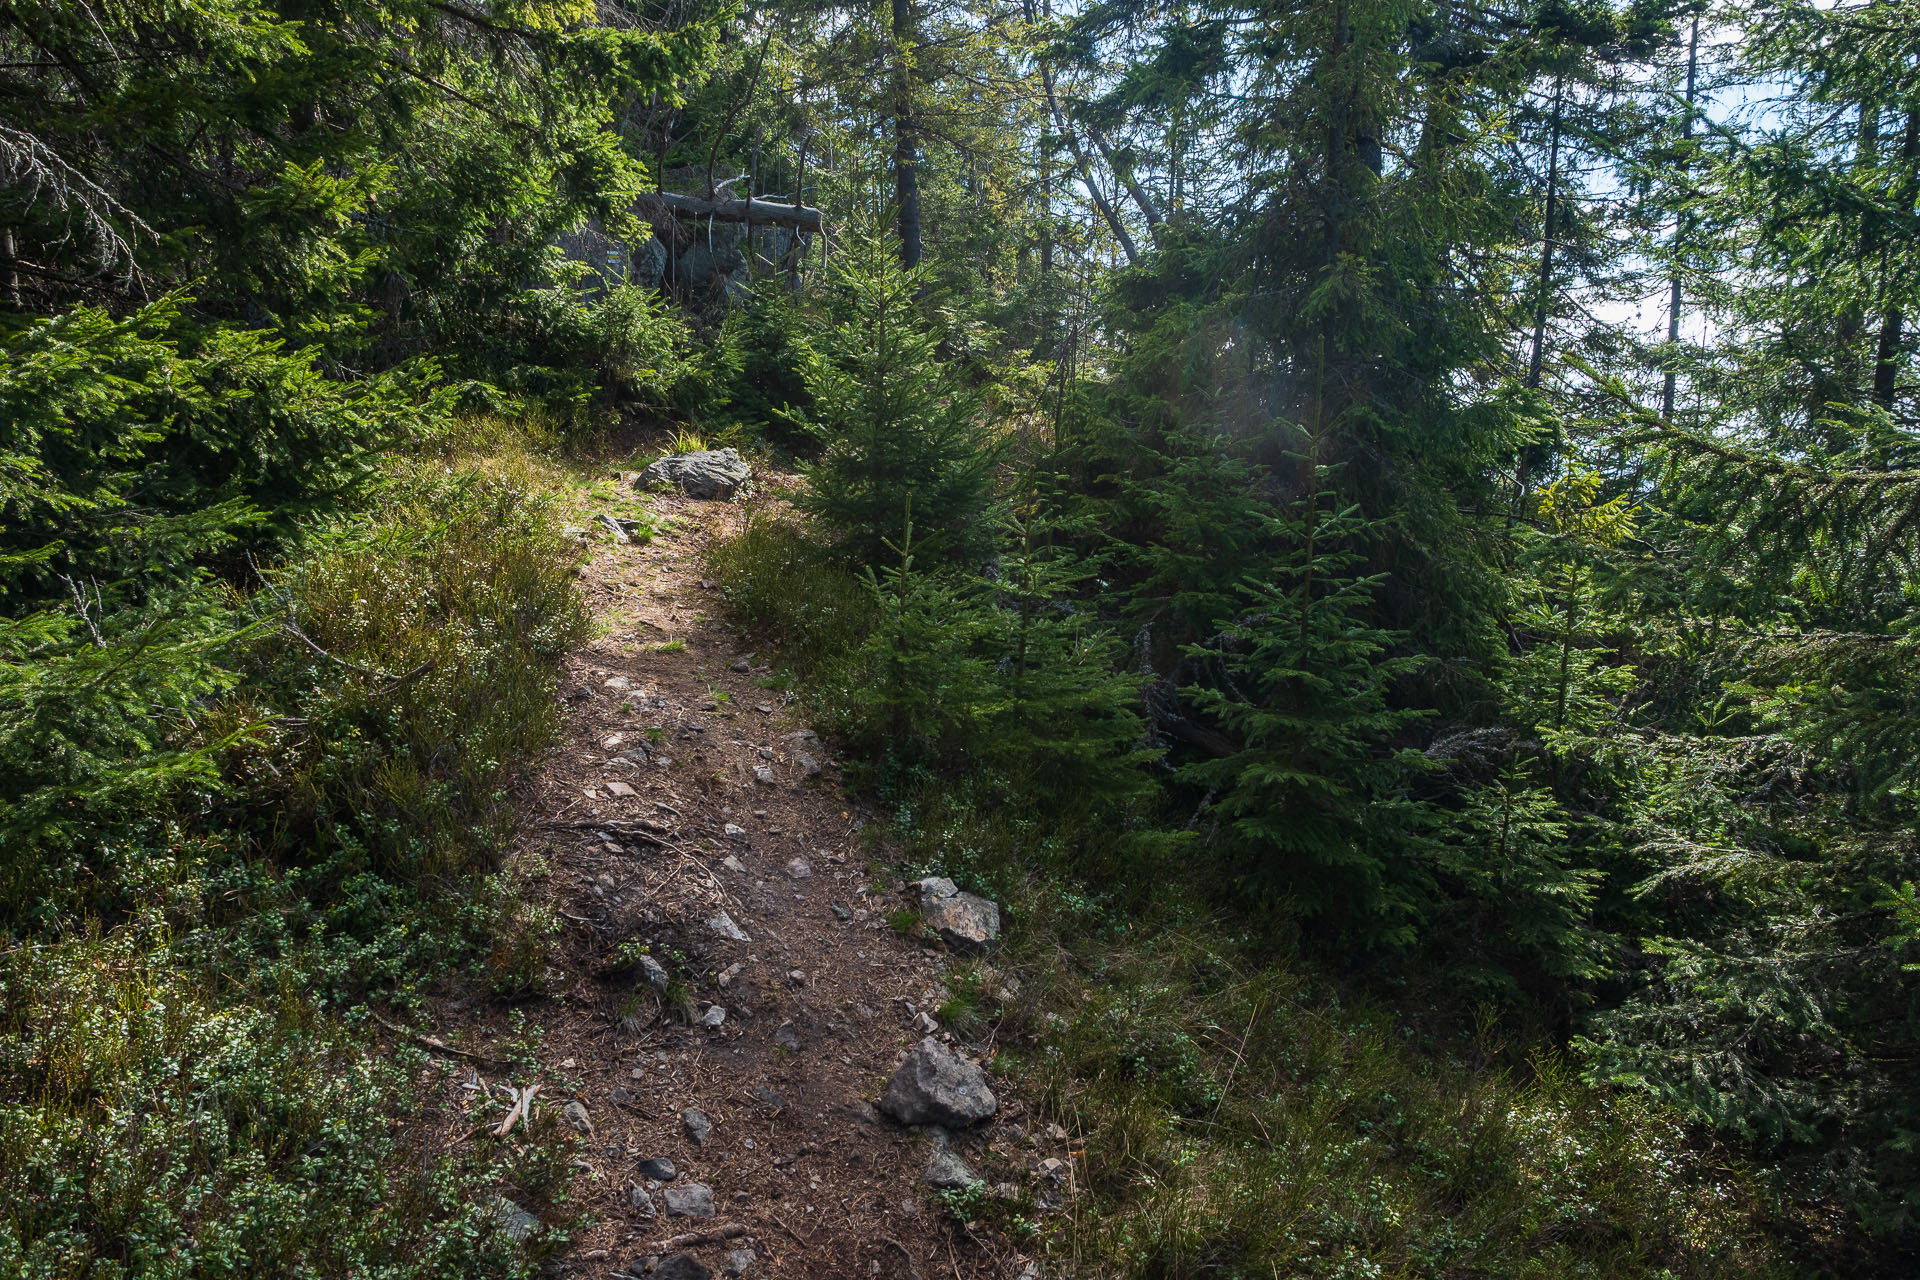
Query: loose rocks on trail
{"points": [[964, 921], [710, 473], [935, 1085], [694, 1200], [724, 947]]}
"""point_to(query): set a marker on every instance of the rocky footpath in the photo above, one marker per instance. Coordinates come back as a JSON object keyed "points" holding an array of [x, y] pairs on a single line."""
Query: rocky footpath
{"points": [[750, 1059]]}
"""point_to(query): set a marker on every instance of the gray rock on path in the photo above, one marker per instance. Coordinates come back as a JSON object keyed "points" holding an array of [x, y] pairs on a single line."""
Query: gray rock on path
{"points": [[678, 1266], [712, 473], [713, 1018], [623, 531], [659, 1168], [964, 921], [515, 1221], [698, 1128], [695, 1200], [737, 1262], [723, 925], [947, 1171], [656, 975], [576, 1113], [640, 1202], [787, 1036], [935, 1085]]}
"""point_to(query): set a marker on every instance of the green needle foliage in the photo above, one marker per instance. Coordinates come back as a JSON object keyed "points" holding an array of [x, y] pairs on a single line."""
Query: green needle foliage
{"points": [[895, 427], [1315, 806]]}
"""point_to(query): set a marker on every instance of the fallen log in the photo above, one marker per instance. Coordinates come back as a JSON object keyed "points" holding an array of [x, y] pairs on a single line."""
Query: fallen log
{"points": [[760, 212]]}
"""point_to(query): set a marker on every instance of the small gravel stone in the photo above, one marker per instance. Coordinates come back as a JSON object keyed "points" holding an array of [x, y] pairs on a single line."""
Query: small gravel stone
{"points": [[799, 868], [640, 1202], [787, 1037], [723, 925], [576, 1113], [713, 1018], [763, 774], [737, 1262], [656, 974], [658, 1168], [946, 1170], [680, 1266], [696, 1125], [695, 1200], [515, 1221]]}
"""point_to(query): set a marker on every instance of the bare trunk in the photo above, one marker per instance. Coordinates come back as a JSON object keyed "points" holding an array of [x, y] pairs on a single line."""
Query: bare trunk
{"points": [[1543, 287], [906, 175], [1080, 164], [767, 212], [1680, 232], [797, 249], [1125, 176], [1886, 355]]}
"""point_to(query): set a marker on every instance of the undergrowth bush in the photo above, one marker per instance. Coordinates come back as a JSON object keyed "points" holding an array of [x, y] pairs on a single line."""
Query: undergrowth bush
{"points": [[153, 1127], [1238, 1118], [256, 813], [1233, 1115], [435, 626]]}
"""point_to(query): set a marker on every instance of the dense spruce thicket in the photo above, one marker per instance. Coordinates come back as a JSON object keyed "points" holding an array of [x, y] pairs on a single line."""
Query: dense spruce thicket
{"points": [[1385, 529]]}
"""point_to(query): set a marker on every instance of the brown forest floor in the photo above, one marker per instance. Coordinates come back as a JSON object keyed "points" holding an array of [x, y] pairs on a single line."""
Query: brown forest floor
{"points": [[820, 1183]]}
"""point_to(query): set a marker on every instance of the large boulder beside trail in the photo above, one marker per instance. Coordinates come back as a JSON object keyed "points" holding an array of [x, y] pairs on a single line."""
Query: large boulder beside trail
{"points": [[935, 1085], [711, 473], [965, 921]]}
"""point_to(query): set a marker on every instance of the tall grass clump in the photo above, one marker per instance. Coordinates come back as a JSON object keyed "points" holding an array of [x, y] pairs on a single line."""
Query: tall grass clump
{"points": [[1238, 1117]]}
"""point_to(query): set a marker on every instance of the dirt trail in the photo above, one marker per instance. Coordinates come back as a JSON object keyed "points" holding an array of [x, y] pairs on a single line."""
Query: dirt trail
{"points": [[717, 809]]}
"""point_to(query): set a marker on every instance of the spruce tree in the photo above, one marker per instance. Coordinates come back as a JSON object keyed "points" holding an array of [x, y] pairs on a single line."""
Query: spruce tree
{"points": [[1069, 723], [896, 427], [1315, 807]]}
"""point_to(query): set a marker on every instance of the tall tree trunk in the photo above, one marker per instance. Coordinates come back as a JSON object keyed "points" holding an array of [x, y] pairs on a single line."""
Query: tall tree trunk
{"points": [[1046, 186], [1080, 164], [906, 173], [1148, 209], [1886, 355], [1543, 287], [1046, 211], [1681, 230], [797, 249]]}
